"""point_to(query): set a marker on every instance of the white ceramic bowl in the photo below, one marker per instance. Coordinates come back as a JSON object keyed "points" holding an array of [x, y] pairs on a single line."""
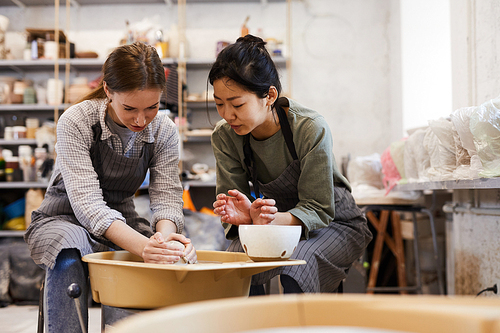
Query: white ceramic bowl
{"points": [[269, 242]]}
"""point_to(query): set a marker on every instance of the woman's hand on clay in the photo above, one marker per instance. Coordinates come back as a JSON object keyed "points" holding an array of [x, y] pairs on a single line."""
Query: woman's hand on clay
{"points": [[263, 211], [159, 251], [233, 208], [188, 251]]}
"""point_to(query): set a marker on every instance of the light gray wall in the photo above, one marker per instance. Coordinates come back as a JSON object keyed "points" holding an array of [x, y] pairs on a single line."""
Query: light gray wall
{"points": [[475, 38], [346, 65], [345, 54]]}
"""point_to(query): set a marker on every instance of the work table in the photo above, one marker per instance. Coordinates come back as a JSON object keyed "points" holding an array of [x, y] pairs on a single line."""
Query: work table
{"points": [[472, 231]]}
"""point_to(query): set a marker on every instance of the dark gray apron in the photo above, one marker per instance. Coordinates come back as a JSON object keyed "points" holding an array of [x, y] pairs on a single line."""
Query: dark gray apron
{"points": [[329, 252], [54, 226]]}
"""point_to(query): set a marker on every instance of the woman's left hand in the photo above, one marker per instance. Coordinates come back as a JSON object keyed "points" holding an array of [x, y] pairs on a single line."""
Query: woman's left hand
{"points": [[263, 211], [189, 252]]}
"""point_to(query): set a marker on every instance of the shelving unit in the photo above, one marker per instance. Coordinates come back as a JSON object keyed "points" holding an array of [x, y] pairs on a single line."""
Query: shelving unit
{"points": [[196, 137]]}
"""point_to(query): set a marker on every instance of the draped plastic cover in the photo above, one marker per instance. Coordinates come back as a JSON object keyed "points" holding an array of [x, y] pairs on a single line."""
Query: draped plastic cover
{"points": [[485, 128]]}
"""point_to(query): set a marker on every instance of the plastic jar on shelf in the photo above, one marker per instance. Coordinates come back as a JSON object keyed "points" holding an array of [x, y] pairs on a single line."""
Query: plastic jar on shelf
{"points": [[51, 49], [32, 125], [8, 133], [29, 96], [19, 132], [18, 92], [27, 163]]}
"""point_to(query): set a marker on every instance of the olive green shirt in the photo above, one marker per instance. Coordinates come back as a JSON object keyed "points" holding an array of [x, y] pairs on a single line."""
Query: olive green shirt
{"points": [[319, 172]]}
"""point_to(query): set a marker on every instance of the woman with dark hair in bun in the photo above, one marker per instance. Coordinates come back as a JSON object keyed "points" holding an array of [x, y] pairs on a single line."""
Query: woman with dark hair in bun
{"points": [[285, 150], [105, 145]]}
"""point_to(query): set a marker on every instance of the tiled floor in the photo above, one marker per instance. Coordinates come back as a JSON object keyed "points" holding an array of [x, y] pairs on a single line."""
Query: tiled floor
{"points": [[24, 319]]}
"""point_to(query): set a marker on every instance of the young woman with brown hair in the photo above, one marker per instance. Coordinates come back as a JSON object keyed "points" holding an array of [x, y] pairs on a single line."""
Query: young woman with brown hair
{"points": [[105, 145]]}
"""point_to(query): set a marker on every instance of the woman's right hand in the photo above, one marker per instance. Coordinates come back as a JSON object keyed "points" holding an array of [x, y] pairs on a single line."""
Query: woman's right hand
{"points": [[233, 208], [263, 211], [158, 251]]}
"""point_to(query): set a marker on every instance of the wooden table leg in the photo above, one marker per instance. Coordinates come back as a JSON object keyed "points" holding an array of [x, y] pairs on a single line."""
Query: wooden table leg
{"points": [[381, 227], [395, 244]]}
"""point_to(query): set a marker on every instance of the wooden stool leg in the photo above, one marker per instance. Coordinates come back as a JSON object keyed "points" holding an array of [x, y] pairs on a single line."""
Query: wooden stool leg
{"points": [[381, 227], [399, 253]]}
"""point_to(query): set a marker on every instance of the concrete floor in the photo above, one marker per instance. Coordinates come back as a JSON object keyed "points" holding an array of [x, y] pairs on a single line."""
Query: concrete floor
{"points": [[24, 319]]}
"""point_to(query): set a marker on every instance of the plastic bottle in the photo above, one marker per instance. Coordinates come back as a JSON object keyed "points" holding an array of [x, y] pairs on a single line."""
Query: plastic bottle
{"points": [[40, 157], [25, 157], [27, 50], [244, 28], [130, 33], [34, 49], [161, 45]]}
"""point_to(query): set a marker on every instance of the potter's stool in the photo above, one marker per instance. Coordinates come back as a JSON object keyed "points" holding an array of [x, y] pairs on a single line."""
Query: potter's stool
{"points": [[395, 244]]}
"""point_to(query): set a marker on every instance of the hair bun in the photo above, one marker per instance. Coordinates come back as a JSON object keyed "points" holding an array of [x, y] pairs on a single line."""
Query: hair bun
{"points": [[252, 40]]}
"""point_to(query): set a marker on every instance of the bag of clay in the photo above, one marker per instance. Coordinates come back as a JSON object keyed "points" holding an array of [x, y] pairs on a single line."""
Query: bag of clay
{"points": [[485, 128], [440, 144], [366, 170], [416, 157], [468, 162], [393, 166], [365, 176]]}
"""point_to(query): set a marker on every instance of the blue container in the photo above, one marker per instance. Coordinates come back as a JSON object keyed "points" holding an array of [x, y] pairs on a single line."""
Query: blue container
{"points": [[15, 209]]}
